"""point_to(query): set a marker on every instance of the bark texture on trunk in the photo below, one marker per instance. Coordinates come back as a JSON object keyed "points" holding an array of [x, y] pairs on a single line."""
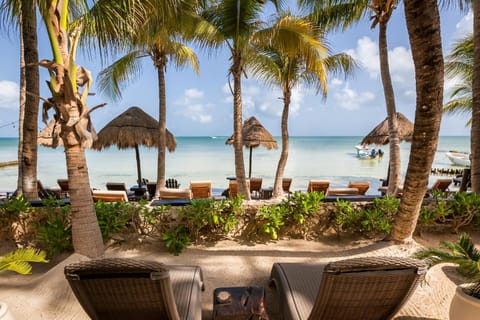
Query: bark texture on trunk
{"points": [[236, 70], [86, 234], [162, 124], [282, 162], [394, 175], [29, 127], [475, 131], [423, 24]]}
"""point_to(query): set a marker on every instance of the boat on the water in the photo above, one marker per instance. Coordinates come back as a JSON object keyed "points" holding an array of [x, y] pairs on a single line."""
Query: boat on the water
{"points": [[459, 158], [364, 152]]}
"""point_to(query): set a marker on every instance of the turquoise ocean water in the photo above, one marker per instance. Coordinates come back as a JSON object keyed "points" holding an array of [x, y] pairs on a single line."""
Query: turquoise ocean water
{"points": [[208, 158]]}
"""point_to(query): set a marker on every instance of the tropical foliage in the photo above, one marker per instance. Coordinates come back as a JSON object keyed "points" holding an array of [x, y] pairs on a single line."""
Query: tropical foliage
{"points": [[462, 253], [459, 67], [19, 260]]}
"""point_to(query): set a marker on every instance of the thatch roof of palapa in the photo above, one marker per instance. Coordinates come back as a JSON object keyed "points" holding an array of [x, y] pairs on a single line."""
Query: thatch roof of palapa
{"points": [[133, 127], [254, 135], [379, 135]]}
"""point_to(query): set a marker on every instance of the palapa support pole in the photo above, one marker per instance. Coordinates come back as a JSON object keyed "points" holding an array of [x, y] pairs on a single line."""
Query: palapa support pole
{"points": [[139, 170], [250, 164]]}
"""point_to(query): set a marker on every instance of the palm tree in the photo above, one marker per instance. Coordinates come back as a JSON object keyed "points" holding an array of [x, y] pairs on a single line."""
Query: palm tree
{"points": [[423, 22], [19, 260], [308, 64], [24, 13], [161, 41], [459, 64], [475, 133], [237, 25], [106, 22], [342, 13]]}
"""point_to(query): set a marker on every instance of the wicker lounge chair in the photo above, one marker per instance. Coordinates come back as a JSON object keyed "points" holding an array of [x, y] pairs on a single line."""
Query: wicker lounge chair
{"points": [[201, 189], [359, 288], [121, 288], [318, 186]]}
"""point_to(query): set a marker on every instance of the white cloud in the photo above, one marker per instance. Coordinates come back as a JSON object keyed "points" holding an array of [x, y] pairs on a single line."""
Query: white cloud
{"points": [[9, 95], [465, 25], [191, 106], [351, 99]]}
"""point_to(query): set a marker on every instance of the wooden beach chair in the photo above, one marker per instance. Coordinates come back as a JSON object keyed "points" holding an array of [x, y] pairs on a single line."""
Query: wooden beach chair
{"points": [[63, 183], [109, 195], [233, 188], [286, 183], [123, 288], [318, 186], [173, 193], [368, 288], [441, 185], [362, 186], [201, 189], [255, 187]]}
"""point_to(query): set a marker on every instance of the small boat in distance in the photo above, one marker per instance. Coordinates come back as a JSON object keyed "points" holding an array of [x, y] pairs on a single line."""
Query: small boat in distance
{"points": [[364, 152], [459, 158]]}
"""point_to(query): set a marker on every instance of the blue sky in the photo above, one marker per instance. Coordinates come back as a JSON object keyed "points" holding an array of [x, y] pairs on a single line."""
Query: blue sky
{"points": [[202, 105]]}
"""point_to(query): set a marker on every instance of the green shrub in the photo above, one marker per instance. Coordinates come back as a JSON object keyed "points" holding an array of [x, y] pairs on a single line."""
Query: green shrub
{"points": [[15, 214], [302, 205], [466, 208], [113, 217], [54, 231], [176, 240], [271, 219]]}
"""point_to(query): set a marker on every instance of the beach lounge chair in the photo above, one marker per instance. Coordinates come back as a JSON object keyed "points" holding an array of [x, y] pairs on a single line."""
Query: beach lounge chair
{"points": [[362, 186], [318, 186], [233, 188], [336, 192], [122, 288], [47, 192], [121, 186], [201, 189], [441, 185], [255, 187], [151, 188], [172, 183], [109, 195], [286, 183], [368, 288], [63, 183], [172, 193]]}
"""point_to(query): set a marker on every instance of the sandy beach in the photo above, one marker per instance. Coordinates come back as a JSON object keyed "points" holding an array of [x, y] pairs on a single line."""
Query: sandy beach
{"points": [[46, 295]]}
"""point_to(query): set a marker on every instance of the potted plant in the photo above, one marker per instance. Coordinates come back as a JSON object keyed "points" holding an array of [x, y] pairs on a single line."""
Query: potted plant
{"points": [[18, 261], [466, 301]]}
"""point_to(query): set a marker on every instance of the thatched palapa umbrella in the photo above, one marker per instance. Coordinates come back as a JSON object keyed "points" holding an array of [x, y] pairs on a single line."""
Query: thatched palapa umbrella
{"points": [[254, 135], [380, 136], [131, 129]]}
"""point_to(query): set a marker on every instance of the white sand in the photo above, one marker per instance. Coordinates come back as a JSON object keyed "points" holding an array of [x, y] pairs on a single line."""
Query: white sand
{"points": [[46, 294]]}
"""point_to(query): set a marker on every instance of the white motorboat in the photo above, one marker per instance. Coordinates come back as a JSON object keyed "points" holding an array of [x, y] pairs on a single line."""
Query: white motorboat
{"points": [[364, 152], [459, 158]]}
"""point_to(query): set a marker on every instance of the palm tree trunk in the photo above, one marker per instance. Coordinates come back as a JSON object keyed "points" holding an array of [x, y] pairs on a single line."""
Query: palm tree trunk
{"points": [[237, 125], [394, 174], [423, 23], [475, 131], [21, 114], [87, 239], [29, 127], [282, 162], [162, 124]]}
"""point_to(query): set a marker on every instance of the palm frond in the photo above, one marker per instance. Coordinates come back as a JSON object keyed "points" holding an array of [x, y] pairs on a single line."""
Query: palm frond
{"points": [[19, 260], [463, 253], [116, 76]]}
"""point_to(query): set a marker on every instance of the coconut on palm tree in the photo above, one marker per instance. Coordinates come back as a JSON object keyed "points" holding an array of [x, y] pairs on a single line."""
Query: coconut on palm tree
{"points": [[308, 64]]}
